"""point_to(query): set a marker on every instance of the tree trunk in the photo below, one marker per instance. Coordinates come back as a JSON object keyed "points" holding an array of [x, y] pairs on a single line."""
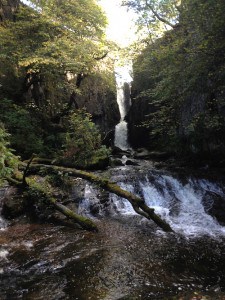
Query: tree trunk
{"points": [[138, 203], [85, 223]]}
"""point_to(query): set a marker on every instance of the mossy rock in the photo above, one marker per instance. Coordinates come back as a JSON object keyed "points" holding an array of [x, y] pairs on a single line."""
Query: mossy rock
{"points": [[14, 204]]}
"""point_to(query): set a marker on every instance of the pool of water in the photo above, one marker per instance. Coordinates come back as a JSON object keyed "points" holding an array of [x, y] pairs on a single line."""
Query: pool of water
{"points": [[126, 259]]}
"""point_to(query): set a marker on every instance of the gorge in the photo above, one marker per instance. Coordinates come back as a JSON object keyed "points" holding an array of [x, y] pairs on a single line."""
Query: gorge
{"points": [[78, 126]]}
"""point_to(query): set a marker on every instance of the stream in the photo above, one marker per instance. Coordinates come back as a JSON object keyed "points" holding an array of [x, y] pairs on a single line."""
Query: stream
{"points": [[130, 257]]}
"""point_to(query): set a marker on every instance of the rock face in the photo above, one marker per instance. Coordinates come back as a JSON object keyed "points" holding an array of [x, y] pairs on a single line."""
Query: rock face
{"points": [[127, 100], [194, 107], [100, 102], [137, 134], [102, 107], [8, 9]]}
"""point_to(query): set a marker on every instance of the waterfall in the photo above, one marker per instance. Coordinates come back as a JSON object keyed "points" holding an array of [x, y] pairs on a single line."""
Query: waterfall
{"points": [[183, 205], [123, 80]]}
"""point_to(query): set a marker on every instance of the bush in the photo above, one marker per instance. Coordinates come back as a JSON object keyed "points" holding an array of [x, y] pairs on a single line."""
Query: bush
{"points": [[83, 146], [8, 161], [25, 130]]}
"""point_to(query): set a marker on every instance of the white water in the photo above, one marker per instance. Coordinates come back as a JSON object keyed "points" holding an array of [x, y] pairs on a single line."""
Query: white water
{"points": [[179, 204], [121, 102], [2, 224], [121, 130]]}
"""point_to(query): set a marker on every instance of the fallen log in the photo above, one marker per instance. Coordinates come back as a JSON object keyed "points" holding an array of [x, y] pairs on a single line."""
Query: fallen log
{"points": [[24, 183], [137, 203], [85, 223]]}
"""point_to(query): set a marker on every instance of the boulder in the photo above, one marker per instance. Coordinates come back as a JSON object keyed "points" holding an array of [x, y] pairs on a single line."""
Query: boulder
{"points": [[145, 154], [130, 162], [214, 205], [13, 203], [116, 162], [116, 151]]}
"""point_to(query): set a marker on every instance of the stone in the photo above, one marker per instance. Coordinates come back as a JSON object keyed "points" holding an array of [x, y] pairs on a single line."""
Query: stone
{"points": [[145, 154], [13, 203], [116, 162], [214, 205], [130, 162], [119, 153]]}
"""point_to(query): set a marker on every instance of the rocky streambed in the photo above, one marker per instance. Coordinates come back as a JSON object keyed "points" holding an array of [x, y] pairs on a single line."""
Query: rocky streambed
{"points": [[129, 258]]}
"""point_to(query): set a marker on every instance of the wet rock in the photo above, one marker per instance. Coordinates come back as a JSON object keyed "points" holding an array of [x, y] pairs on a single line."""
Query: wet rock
{"points": [[214, 205], [101, 206], [141, 153], [77, 192], [145, 154], [175, 207], [116, 151], [13, 203], [116, 162], [130, 162]]}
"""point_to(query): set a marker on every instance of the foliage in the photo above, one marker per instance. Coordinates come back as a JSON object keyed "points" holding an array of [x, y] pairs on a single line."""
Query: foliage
{"points": [[8, 161], [154, 16], [61, 180], [46, 48], [36, 197], [182, 75], [83, 142], [44, 51], [26, 135]]}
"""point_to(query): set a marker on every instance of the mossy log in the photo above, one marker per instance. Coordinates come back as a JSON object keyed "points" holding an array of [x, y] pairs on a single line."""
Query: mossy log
{"points": [[137, 203], [85, 223]]}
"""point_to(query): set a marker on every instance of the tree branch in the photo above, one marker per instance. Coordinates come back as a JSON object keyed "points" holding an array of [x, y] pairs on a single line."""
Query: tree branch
{"points": [[158, 16], [26, 170], [101, 57]]}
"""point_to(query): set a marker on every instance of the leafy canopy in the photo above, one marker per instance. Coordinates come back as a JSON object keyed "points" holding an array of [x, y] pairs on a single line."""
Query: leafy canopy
{"points": [[154, 16], [181, 75], [50, 45]]}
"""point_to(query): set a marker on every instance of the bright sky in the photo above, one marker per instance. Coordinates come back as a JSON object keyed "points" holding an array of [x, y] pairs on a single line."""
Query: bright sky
{"points": [[121, 25]]}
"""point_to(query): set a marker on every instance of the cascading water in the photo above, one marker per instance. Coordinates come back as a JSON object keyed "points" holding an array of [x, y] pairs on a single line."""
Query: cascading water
{"points": [[180, 204], [130, 258], [123, 80]]}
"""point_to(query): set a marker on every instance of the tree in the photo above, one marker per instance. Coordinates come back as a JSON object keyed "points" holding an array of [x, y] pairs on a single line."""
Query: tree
{"points": [[155, 16], [181, 76], [48, 49], [83, 146]]}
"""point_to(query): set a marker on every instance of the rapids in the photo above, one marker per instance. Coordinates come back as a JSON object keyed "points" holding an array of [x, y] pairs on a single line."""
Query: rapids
{"points": [[129, 258]]}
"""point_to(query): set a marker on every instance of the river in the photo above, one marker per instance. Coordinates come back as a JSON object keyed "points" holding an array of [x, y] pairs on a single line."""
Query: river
{"points": [[129, 258]]}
